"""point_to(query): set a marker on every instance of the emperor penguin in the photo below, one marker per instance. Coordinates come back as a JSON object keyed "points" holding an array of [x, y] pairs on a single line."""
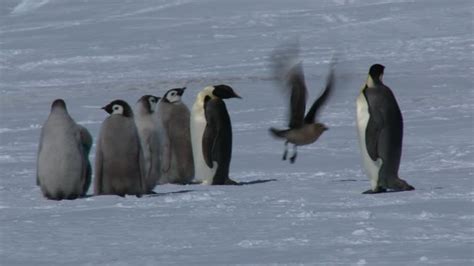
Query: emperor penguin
{"points": [[149, 140], [119, 160], [63, 167], [177, 164], [380, 130], [211, 135], [302, 130]]}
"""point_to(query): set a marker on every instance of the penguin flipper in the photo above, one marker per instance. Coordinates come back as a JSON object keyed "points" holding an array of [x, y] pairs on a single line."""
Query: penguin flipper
{"points": [[208, 142], [98, 169], [40, 146], [166, 152], [372, 132], [85, 140], [371, 138]]}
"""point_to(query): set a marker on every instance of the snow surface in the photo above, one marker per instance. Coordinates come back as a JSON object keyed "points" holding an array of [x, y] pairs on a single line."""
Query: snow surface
{"points": [[91, 52]]}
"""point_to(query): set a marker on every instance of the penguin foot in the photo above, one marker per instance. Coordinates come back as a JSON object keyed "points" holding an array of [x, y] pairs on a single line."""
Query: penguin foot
{"points": [[72, 196], [402, 185], [230, 182], [375, 191]]}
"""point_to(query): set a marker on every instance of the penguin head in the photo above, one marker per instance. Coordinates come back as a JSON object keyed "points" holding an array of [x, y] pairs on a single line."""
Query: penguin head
{"points": [[58, 103], [376, 72], [119, 107], [224, 92], [173, 95], [148, 103]]}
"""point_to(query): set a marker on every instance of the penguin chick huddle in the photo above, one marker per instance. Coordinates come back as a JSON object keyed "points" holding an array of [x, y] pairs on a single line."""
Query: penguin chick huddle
{"points": [[159, 143], [163, 142]]}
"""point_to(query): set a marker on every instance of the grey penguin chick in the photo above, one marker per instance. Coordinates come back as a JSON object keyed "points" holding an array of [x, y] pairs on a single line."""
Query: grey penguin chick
{"points": [[63, 166], [380, 129], [177, 164], [211, 133], [119, 159], [149, 140], [303, 130]]}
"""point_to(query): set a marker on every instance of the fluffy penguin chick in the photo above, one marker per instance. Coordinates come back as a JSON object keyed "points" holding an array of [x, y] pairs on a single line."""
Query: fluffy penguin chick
{"points": [[177, 158], [63, 167], [118, 160], [149, 139]]}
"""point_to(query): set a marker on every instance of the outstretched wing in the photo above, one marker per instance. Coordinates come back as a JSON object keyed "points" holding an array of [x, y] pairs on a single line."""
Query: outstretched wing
{"points": [[318, 103], [287, 67], [298, 90]]}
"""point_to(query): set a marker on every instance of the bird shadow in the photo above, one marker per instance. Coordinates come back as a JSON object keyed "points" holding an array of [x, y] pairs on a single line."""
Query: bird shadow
{"points": [[253, 182]]}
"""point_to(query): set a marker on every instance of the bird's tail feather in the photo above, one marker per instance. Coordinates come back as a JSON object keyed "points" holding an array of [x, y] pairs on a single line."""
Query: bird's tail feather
{"points": [[278, 132]]}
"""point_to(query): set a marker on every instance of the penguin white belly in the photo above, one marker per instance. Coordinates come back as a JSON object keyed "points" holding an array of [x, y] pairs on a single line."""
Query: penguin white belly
{"points": [[371, 167], [198, 125]]}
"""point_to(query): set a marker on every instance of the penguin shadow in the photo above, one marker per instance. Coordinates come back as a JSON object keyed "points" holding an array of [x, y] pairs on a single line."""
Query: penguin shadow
{"points": [[161, 194], [253, 182], [348, 180], [152, 194]]}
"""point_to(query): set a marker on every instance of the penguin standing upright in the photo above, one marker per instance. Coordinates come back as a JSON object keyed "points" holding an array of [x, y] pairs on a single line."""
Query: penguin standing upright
{"points": [[63, 167], [211, 135], [380, 130], [118, 159], [149, 140], [177, 157]]}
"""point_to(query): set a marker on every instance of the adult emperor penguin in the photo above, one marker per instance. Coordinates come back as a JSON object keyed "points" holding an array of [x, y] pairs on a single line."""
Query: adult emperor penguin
{"points": [[177, 156], [303, 130], [149, 139], [63, 167], [211, 134], [380, 130], [118, 159]]}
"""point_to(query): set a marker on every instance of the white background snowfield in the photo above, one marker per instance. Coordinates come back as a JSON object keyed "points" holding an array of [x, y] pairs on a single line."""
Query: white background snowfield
{"points": [[92, 52]]}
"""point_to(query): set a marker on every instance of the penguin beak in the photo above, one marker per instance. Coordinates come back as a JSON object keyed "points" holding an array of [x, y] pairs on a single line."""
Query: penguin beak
{"points": [[181, 91], [107, 108]]}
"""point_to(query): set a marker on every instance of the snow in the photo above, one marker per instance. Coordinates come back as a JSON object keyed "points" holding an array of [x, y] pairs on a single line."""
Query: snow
{"points": [[92, 52]]}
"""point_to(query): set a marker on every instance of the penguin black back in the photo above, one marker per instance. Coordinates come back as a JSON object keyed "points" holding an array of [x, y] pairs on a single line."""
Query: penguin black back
{"points": [[217, 138]]}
